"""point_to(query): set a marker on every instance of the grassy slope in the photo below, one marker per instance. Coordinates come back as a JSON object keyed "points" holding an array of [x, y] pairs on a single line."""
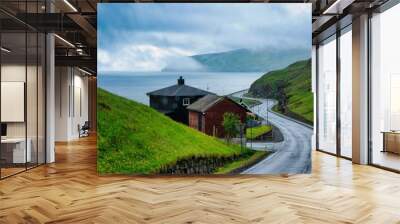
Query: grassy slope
{"points": [[244, 162], [252, 133], [135, 139], [298, 76]]}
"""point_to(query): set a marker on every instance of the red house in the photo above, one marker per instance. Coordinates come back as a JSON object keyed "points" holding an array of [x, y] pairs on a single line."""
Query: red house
{"points": [[206, 114]]}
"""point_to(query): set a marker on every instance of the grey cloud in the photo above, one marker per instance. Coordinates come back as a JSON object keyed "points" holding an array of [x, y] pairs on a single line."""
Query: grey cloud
{"points": [[204, 28]]}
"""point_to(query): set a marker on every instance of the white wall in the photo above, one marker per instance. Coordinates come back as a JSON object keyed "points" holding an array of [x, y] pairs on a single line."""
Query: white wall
{"points": [[71, 102], [80, 109], [62, 83], [33, 126], [16, 73]]}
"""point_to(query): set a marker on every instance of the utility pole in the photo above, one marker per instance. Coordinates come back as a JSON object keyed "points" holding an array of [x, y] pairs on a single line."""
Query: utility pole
{"points": [[242, 128], [267, 111], [251, 137]]}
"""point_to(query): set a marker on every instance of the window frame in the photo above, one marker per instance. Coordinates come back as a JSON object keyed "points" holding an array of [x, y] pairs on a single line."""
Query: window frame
{"points": [[333, 37], [186, 103]]}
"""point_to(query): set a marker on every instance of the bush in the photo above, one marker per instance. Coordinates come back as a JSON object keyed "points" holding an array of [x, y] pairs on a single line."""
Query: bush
{"points": [[231, 124]]}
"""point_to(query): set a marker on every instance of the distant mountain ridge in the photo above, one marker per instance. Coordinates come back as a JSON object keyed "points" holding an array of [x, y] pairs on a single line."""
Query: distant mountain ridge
{"points": [[246, 60]]}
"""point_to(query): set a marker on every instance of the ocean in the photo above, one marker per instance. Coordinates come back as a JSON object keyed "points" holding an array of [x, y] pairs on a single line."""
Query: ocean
{"points": [[135, 85]]}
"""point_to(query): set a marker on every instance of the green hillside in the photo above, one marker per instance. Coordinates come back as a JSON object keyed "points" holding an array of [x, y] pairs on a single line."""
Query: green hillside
{"points": [[135, 139], [293, 84]]}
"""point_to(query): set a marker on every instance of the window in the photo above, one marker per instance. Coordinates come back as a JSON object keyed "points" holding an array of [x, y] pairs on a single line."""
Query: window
{"points": [[346, 93], [186, 101], [22, 75], [385, 89], [327, 95], [334, 106]]}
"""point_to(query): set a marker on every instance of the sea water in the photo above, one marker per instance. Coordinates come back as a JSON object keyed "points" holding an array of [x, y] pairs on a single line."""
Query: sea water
{"points": [[135, 85]]}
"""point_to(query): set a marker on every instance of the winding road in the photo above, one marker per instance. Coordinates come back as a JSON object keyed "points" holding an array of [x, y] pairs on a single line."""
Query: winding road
{"points": [[290, 156]]}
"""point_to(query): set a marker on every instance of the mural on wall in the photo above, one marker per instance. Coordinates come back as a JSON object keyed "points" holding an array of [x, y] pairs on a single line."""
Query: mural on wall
{"points": [[196, 89]]}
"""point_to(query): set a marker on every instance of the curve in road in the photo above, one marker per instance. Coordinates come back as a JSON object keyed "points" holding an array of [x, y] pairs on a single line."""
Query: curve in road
{"points": [[293, 154]]}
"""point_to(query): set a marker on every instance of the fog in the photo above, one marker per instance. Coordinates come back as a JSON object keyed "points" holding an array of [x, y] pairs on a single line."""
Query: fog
{"points": [[146, 37], [182, 63]]}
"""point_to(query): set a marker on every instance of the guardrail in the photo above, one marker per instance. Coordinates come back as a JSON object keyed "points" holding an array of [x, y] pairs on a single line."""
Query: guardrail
{"points": [[292, 119]]}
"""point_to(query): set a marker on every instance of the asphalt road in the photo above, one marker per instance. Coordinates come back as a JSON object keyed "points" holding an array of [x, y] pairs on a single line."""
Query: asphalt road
{"points": [[293, 154]]}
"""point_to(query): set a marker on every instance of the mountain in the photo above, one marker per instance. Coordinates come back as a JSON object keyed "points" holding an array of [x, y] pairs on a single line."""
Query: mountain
{"points": [[245, 60], [291, 86], [136, 139]]}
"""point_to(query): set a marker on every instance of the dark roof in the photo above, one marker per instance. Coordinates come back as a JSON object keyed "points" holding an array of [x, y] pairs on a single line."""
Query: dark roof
{"points": [[179, 90], [204, 103]]}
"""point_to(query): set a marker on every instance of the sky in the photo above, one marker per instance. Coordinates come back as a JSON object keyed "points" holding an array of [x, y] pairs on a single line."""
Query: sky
{"points": [[149, 36]]}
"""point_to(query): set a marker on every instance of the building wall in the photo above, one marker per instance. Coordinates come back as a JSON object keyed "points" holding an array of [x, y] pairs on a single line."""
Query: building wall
{"points": [[194, 119], [163, 103], [92, 98], [61, 103], [214, 117], [71, 102], [175, 104]]}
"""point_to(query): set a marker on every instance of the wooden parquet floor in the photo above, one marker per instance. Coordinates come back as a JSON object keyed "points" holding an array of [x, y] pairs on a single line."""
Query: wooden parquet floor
{"points": [[69, 191]]}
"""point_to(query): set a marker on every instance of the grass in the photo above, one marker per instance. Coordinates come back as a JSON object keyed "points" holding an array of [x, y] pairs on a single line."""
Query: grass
{"points": [[293, 115], [136, 139], [248, 102], [244, 162], [298, 89], [255, 132]]}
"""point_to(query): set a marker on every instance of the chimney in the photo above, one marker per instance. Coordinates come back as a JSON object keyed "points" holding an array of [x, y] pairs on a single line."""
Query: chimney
{"points": [[181, 81]]}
